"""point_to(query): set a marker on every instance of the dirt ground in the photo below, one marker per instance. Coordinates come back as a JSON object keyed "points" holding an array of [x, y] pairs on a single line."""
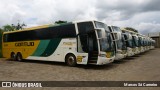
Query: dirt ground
{"points": [[144, 67]]}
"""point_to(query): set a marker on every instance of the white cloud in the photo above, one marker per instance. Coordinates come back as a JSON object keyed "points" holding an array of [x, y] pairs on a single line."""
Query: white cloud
{"points": [[141, 14], [148, 27]]}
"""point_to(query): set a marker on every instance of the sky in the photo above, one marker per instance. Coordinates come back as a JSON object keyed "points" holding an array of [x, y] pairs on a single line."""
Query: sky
{"points": [[143, 15]]}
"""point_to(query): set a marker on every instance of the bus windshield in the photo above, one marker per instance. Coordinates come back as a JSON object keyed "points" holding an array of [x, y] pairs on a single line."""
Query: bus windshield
{"points": [[128, 41], [134, 41], [117, 29], [119, 42], [106, 43], [124, 47], [140, 41], [145, 42]]}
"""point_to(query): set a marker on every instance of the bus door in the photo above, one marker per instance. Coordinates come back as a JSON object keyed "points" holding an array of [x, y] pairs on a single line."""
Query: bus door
{"points": [[90, 46]]}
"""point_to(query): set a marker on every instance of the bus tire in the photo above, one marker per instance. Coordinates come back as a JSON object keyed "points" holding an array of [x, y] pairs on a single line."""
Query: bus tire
{"points": [[13, 56], [19, 57], [71, 60]]}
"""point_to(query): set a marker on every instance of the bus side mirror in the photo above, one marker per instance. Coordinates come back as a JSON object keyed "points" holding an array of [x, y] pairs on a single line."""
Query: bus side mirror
{"points": [[115, 36], [101, 32]]}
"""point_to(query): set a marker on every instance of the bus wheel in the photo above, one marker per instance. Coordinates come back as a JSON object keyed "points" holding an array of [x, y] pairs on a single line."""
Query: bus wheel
{"points": [[19, 57], [13, 56], [71, 60]]}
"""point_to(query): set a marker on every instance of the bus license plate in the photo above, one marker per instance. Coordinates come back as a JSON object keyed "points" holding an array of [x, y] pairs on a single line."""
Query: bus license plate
{"points": [[108, 54]]}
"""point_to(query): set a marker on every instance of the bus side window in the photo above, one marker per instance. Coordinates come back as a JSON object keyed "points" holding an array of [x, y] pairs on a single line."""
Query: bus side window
{"points": [[5, 38]]}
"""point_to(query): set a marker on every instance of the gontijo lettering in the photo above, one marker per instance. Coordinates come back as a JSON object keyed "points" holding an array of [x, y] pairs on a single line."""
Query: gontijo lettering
{"points": [[24, 44]]}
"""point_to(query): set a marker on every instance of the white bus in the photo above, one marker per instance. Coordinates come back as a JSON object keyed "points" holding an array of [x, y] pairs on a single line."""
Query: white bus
{"points": [[129, 42], [144, 43], [147, 43], [119, 42], [136, 43], [85, 42], [140, 43], [152, 44]]}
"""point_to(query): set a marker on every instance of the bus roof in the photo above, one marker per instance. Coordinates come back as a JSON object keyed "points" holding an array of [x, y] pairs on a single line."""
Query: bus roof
{"points": [[38, 27], [79, 21], [48, 25], [123, 29]]}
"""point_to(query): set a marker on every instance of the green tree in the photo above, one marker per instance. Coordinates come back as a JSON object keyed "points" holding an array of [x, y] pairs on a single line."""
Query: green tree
{"points": [[131, 29], [60, 22], [1, 32], [7, 28]]}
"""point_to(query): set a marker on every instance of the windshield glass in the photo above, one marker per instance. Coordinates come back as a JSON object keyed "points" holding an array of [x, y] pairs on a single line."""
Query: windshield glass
{"points": [[130, 44], [117, 29], [102, 25], [145, 41], [128, 41], [140, 41], [149, 43], [134, 41], [124, 47], [106, 43], [119, 42]]}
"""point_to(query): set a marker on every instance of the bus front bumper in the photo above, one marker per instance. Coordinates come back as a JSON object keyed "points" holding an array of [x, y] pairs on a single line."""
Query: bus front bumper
{"points": [[119, 56], [105, 60], [130, 52], [137, 50]]}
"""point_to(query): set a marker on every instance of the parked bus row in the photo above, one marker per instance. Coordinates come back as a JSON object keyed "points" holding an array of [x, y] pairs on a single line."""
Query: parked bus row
{"points": [[129, 43], [79, 42]]}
